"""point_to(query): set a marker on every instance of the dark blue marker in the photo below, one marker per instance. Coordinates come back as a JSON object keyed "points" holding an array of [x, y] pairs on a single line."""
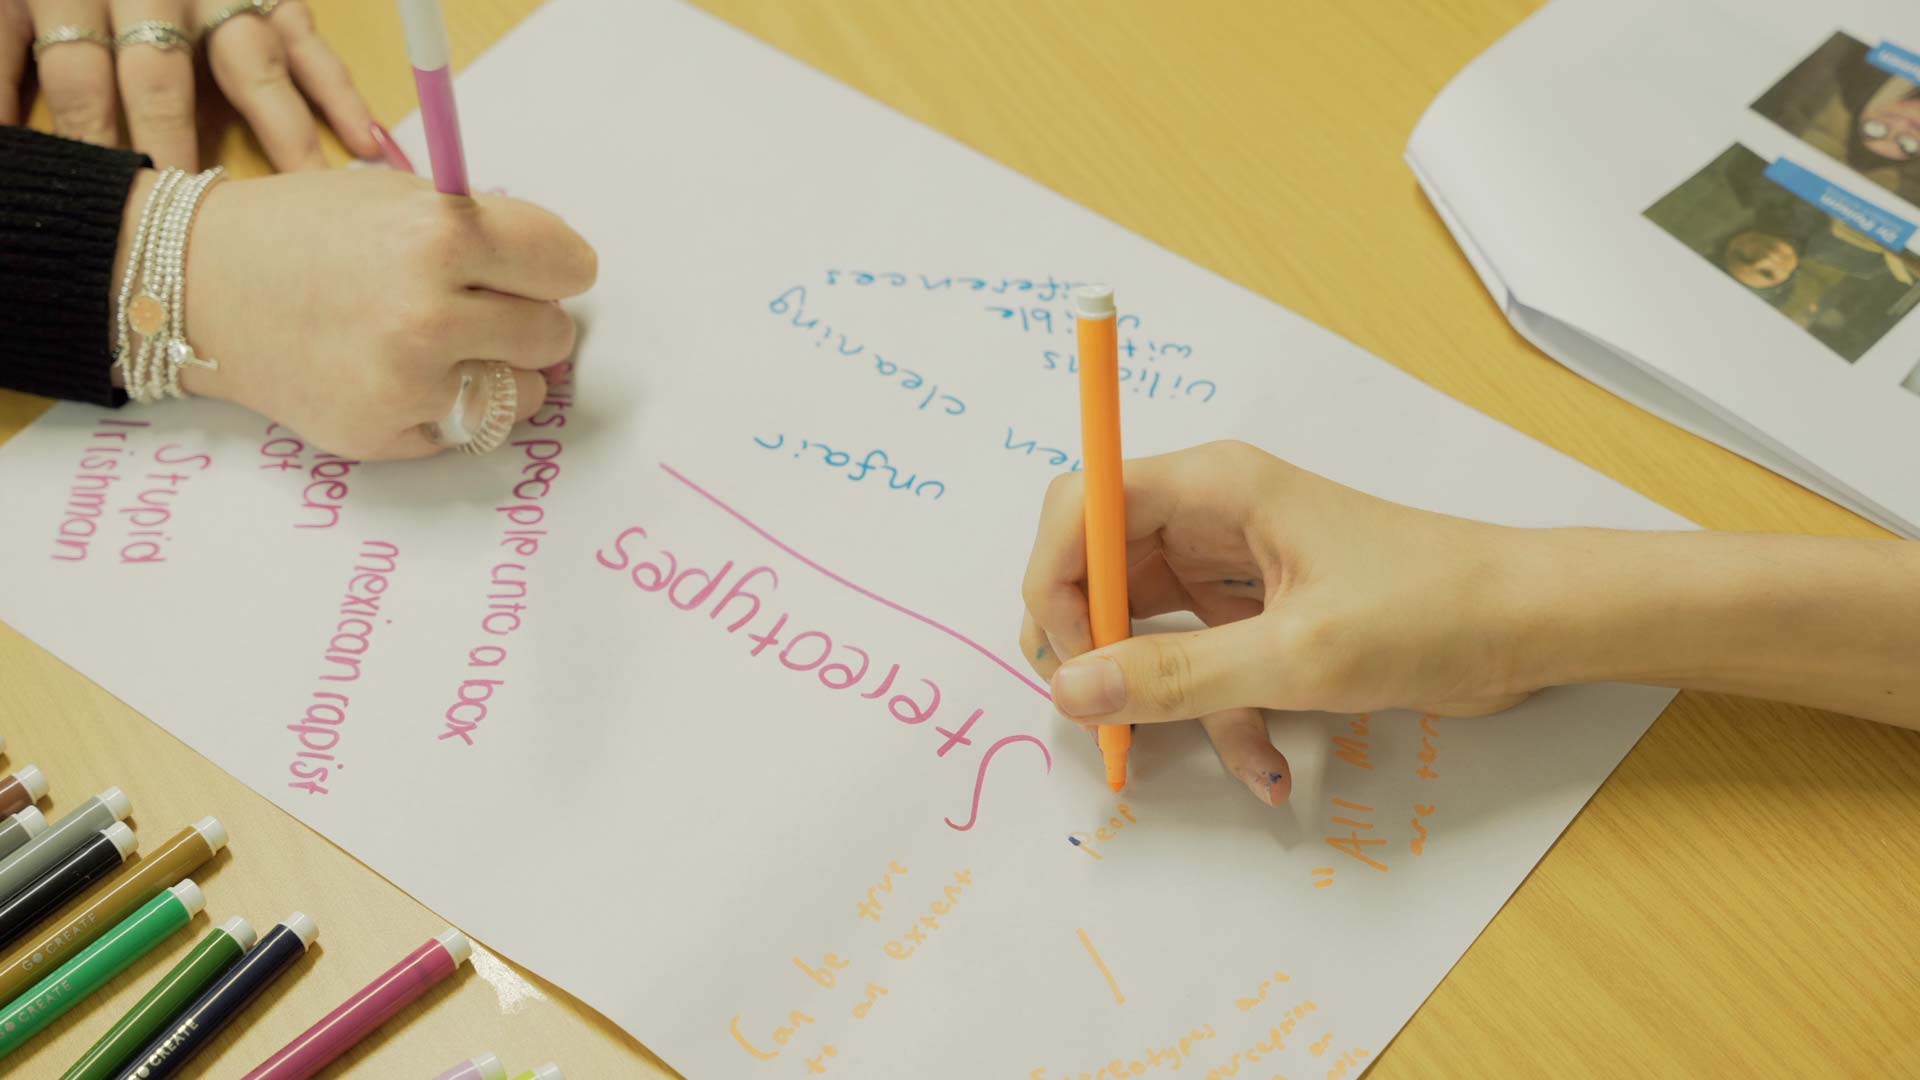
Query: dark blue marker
{"points": [[191, 1031]]}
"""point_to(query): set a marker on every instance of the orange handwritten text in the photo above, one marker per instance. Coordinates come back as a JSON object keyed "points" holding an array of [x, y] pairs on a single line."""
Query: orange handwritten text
{"points": [[782, 1035], [1247, 1003], [817, 1065], [1274, 1043], [1428, 755], [1322, 876], [1171, 1056], [874, 993], [1353, 843], [825, 973], [1353, 750], [1419, 843], [872, 906], [916, 936], [1084, 841], [1350, 1062]]}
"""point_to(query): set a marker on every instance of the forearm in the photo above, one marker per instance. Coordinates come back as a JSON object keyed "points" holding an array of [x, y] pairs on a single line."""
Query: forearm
{"points": [[1827, 622]]}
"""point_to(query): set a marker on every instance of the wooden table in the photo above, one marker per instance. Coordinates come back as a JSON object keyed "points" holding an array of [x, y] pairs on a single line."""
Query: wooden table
{"points": [[1736, 900]]}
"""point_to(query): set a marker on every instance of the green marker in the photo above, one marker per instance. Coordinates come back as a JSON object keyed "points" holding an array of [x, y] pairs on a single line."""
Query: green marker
{"points": [[219, 950], [91, 968]]}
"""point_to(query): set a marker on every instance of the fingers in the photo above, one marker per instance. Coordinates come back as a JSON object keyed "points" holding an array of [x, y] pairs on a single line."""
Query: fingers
{"points": [[1240, 737], [1056, 601], [156, 86], [521, 249], [325, 80], [531, 393], [1161, 677], [530, 334], [249, 63], [16, 37], [77, 76]]}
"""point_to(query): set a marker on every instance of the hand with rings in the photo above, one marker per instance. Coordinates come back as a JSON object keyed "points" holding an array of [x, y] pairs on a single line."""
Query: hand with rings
{"points": [[373, 316], [96, 57]]}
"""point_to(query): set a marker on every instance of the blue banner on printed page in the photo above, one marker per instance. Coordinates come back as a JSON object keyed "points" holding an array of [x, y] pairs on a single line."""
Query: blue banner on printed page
{"points": [[1884, 228], [1895, 60]]}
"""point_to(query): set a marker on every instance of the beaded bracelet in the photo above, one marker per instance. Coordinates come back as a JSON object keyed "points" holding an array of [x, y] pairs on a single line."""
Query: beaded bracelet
{"points": [[156, 264]]}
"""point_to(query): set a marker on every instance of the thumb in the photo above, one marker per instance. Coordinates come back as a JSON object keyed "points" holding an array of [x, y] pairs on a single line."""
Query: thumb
{"points": [[1161, 677]]}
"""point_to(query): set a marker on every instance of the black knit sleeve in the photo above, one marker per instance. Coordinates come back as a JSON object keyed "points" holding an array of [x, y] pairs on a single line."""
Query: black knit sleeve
{"points": [[60, 208]]}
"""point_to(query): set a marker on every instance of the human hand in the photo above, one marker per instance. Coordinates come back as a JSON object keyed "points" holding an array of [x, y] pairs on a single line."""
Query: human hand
{"points": [[267, 59], [342, 304], [1316, 597]]}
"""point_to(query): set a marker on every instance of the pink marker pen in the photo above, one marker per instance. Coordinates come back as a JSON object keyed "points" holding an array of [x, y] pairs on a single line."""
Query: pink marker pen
{"points": [[433, 79], [484, 1067], [375, 1004]]}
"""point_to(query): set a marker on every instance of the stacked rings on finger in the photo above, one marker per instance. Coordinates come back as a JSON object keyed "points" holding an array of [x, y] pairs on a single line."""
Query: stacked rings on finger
{"points": [[499, 400], [68, 35], [160, 34]]}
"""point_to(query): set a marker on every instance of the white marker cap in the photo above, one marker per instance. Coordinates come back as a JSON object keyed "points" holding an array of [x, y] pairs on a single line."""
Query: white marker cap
{"points": [[210, 830], [35, 781], [240, 930], [1093, 301], [303, 928], [189, 893], [32, 820], [121, 836], [457, 946], [117, 802], [426, 34], [490, 1067], [549, 1071]]}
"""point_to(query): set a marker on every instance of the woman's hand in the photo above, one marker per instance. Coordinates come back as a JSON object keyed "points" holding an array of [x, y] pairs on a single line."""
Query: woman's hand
{"points": [[340, 303], [266, 58], [1317, 597]]}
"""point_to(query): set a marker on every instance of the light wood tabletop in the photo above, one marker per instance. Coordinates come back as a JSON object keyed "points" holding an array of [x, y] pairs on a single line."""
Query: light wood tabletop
{"points": [[1738, 898]]}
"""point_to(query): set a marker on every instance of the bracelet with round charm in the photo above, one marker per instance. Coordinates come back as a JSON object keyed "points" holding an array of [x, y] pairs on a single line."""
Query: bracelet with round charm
{"points": [[153, 290]]}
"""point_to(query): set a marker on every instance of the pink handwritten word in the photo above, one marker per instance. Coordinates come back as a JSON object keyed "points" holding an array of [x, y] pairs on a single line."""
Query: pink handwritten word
{"points": [[151, 511], [87, 494], [318, 732], [523, 530], [326, 490], [690, 588], [868, 593]]}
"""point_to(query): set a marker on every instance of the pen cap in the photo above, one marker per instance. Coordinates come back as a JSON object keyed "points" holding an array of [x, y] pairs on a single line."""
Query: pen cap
{"points": [[117, 802], [303, 928], [490, 1067], [121, 836], [240, 930], [32, 820], [457, 946], [210, 830], [189, 894], [426, 33], [549, 1071], [1093, 301], [33, 780]]}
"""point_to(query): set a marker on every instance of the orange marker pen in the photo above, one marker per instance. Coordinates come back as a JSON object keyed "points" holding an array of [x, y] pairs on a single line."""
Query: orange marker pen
{"points": [[1106, 512]]}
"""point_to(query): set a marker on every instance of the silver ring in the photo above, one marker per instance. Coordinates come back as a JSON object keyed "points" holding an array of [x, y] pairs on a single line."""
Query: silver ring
{"points": [[162, 35], [220, 18], [67, 35], [468, 433]]}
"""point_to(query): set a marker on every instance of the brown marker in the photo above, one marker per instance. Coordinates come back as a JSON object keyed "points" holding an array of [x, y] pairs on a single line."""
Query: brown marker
{"points": [[100, 909], [21, 790]]}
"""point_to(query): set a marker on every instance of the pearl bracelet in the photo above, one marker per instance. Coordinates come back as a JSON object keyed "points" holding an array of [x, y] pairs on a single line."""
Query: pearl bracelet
{"points": [[156, 309]]}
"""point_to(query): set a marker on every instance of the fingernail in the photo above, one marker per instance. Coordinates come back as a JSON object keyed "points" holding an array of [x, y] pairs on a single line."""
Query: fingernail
{"points": [[390, 150], [1092, 687]]}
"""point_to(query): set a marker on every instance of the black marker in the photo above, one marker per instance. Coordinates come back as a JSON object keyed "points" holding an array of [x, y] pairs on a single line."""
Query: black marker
{"points": [[201, 1022], [89, 862]]}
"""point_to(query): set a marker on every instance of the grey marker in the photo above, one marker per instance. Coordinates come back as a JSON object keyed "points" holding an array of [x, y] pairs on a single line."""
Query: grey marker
{"points": [[62, 838], [20, 828]]}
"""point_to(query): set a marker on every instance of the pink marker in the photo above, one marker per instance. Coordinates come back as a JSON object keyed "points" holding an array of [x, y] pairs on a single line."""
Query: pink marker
{"points": [[433, 79], [484, 1067], [376, 1003]]}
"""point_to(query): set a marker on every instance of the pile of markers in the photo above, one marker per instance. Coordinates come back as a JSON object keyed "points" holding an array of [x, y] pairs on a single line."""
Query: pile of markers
{"points": [[72, 918]]}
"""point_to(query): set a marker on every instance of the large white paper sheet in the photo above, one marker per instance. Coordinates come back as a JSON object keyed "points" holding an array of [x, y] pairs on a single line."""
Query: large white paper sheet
{"points": [[702, 698], [1544, 155]]}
